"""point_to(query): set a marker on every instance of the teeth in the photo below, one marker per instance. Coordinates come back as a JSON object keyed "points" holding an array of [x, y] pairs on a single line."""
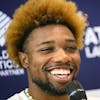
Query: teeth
{"points": [[60, 71]]}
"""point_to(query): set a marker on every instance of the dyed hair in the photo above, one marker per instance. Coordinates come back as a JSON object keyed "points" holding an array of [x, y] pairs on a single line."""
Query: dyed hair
{"points": [[37, 13]]}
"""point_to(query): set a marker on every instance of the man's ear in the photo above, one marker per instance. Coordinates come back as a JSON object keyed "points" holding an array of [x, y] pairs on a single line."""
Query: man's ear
{"points": [[23, 59]]}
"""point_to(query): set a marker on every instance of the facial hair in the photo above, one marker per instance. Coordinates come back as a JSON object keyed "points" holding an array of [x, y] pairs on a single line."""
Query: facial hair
{"points": [[49, 88]]}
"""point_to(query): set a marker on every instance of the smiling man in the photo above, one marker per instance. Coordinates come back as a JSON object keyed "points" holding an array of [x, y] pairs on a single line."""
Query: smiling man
{"points": [[44, 37]]}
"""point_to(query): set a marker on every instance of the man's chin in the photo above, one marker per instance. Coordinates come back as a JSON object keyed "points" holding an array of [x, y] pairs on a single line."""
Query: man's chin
{"points": [[52, 89]]}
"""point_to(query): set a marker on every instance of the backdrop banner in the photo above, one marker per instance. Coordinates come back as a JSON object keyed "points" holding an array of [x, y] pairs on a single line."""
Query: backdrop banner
{"points": [[14, 79]]}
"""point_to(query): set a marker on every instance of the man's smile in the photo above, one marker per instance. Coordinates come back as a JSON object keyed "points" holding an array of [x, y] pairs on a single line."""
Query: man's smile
{"points": [[61, 74]]}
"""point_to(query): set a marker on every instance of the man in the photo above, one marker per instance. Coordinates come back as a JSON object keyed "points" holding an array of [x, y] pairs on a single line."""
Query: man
{"points": [[44, 37]]}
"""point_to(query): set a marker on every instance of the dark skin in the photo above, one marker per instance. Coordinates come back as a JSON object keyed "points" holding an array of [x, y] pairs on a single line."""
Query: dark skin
{"points": [[51, 57]]}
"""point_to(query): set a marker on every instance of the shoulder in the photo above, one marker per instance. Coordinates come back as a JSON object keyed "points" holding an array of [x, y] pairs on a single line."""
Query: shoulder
{"points": [[93, 94], [93, 98], [18, 96]]}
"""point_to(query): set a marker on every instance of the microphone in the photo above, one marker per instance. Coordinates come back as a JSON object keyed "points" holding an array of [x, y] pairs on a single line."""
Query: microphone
{"points": [[76, 91]]}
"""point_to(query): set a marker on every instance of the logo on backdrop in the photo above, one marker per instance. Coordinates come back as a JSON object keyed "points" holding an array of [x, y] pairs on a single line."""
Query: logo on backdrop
{"points": [[4, 22], [6, 65], [92, 42]]}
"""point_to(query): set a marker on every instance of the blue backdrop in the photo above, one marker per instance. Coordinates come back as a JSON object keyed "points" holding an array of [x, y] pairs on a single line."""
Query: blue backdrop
{"points": [[13, 80]]}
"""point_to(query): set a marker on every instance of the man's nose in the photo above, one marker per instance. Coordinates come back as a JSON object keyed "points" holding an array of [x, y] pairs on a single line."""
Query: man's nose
{"points": [[62, 56]]}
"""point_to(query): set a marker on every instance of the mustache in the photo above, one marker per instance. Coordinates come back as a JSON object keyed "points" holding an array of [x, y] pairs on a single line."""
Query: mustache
{"points": [[66, 65]]}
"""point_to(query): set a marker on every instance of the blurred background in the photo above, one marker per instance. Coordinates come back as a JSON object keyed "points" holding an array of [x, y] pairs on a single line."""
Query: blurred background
{"points": [[14, 80]]}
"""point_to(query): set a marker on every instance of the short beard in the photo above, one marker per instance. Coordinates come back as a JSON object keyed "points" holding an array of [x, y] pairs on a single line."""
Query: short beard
{"points": [[50, 88]]}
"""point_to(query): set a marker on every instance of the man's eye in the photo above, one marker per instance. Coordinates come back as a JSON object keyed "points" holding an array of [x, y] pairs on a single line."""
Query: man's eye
{"points": [[71, 49], [46, 50]]}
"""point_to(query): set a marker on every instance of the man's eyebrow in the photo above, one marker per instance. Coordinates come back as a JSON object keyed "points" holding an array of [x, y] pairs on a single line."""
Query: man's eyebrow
{"points": [[46, 42], [70, 40], [50, 42]]}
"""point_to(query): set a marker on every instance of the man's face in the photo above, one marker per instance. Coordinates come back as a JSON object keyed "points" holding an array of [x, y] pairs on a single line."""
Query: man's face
{"points": [[53, 58]]}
